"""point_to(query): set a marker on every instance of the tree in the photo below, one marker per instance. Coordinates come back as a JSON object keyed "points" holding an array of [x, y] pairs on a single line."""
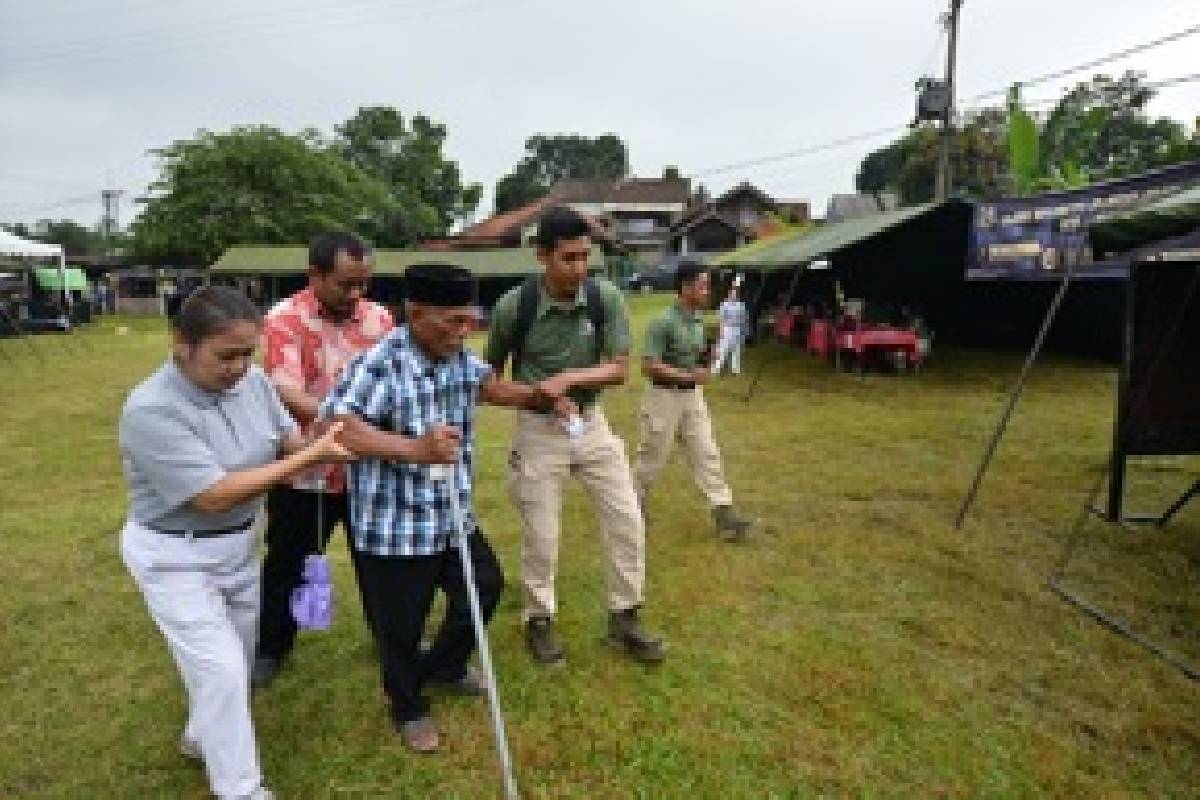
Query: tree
{"points": [[552, 158], [1101, 128], [907, 166], [427, 189], [1023, 158], [76, 239], [252, 185]]}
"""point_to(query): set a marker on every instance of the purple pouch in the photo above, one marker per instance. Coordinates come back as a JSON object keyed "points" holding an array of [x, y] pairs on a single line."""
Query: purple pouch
{"points": [[312, 600]]}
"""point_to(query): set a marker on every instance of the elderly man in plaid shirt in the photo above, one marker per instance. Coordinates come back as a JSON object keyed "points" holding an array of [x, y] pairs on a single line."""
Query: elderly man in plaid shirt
{"points": [[408, 403]]}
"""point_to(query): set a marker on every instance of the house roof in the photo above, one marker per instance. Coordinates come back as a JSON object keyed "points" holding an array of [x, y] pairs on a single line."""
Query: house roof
{"points": [[293, 260], [510, 223], [707, 214], [499, 225]]}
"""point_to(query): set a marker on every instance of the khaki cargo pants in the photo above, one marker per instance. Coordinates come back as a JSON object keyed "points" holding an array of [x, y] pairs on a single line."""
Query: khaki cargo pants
{"points": [[670, 414], [542, 456]]}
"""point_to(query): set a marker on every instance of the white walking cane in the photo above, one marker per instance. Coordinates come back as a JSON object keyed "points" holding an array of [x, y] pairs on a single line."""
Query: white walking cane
{"points": [[446, 472]]}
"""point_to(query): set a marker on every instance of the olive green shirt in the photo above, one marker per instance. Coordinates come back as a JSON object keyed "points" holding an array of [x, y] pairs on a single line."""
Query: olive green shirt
{"points": [[676, 338], [560, 337]]}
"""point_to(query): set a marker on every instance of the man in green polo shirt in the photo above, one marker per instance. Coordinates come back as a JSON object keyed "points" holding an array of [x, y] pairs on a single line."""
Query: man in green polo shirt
{"points": [[568, 335], [674, 407]]}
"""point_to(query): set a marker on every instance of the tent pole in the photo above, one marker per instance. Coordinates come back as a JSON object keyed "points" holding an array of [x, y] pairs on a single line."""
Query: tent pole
{"points": [[62, 276], [1122, 628], [1013, 397], [762, 364]]}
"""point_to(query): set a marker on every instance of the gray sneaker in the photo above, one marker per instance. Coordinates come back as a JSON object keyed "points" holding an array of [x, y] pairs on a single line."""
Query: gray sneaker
{"points": [[542, 643]]}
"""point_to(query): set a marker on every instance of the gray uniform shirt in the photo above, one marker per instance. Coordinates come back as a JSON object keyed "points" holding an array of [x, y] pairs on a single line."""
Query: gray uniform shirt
{"points": [[178, 440]]}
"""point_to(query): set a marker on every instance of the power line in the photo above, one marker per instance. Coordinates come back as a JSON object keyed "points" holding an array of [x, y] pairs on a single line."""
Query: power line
{"points": [[1175, 81], [853, 138], [803, 151], [1098, 62]]}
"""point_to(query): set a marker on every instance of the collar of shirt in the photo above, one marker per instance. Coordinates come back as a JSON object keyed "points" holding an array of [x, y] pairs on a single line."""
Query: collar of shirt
{"points": [[197, 396], [409, 353], [420, 365], [684, 313], [306, 298], [546, 302]]}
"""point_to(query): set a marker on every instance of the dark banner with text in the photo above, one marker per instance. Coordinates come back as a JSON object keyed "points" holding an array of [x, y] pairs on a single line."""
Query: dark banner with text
{"points": [[1040, 238]]}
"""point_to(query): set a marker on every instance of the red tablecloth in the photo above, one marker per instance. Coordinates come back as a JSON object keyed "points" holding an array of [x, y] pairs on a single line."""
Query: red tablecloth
{"points": [[880, 337]]}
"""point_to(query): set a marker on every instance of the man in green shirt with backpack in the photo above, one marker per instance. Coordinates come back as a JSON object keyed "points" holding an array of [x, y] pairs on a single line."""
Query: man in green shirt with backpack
{"points": [[568, 335]]}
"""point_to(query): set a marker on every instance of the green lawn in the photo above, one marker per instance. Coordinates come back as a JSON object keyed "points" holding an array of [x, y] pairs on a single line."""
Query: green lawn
{"points": [[856, 646]]}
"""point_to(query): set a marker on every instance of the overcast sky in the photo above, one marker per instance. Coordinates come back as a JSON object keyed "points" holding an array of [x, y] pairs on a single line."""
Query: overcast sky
{"points": [[87, 89]]}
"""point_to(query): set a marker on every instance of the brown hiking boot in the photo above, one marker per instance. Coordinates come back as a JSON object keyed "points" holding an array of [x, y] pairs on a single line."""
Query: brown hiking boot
{"points": [[541, 641], [626, 634], [730, 527]]}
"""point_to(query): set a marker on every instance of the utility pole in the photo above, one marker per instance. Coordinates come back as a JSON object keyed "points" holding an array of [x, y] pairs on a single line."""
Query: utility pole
{"points": [[110, 222], [944, 180]]}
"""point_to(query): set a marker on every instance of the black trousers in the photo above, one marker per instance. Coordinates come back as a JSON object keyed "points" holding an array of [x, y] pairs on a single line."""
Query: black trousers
{"points": [[291, 535], [399, 592]]}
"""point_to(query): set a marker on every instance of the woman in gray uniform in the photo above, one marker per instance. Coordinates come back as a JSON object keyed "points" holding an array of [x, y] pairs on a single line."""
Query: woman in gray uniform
{"points": [[202, 439]]}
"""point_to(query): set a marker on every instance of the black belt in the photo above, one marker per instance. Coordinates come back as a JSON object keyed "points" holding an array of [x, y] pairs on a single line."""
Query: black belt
{"points": [[685, 386], [203, 533]]}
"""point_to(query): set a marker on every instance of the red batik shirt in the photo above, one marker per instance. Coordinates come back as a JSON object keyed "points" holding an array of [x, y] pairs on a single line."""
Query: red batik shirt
{"points": [[305, 349]]}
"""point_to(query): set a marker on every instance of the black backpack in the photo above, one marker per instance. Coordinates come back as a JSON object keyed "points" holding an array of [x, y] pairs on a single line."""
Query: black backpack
{"points": [[527, 305]]}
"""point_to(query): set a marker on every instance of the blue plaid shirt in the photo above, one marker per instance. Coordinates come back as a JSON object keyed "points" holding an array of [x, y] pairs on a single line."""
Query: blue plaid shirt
{"points": [[395, 509]]}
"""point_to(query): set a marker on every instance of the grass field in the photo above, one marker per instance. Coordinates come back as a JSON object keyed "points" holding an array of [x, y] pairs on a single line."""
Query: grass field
{"points": [[856, 646]]}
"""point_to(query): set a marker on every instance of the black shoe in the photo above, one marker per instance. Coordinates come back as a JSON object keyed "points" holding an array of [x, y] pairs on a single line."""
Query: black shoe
{"points": [[542, 643], [626, 634], [264, 671]]}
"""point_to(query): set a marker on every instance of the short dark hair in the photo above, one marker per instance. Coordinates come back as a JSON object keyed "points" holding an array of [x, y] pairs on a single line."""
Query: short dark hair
{"points": [[209, 310], [323, 250], [558, 223], [687, 272]]}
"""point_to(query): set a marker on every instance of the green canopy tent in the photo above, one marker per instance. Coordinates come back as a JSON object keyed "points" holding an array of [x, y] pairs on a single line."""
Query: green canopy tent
{"points": [[282, 269], [15, 247], [911, 255], [71, 279]]}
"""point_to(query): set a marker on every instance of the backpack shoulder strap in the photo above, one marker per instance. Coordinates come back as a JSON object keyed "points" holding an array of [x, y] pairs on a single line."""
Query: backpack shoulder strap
{"points": [[527, 304], [595, 310]]}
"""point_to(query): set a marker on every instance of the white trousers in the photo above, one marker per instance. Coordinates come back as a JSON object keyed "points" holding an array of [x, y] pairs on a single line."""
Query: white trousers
{"points": [[729, 346], [203, 594]]}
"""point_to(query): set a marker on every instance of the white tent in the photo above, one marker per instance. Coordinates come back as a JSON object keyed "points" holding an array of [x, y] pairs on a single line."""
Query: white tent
{"points": [[13, 246]]}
